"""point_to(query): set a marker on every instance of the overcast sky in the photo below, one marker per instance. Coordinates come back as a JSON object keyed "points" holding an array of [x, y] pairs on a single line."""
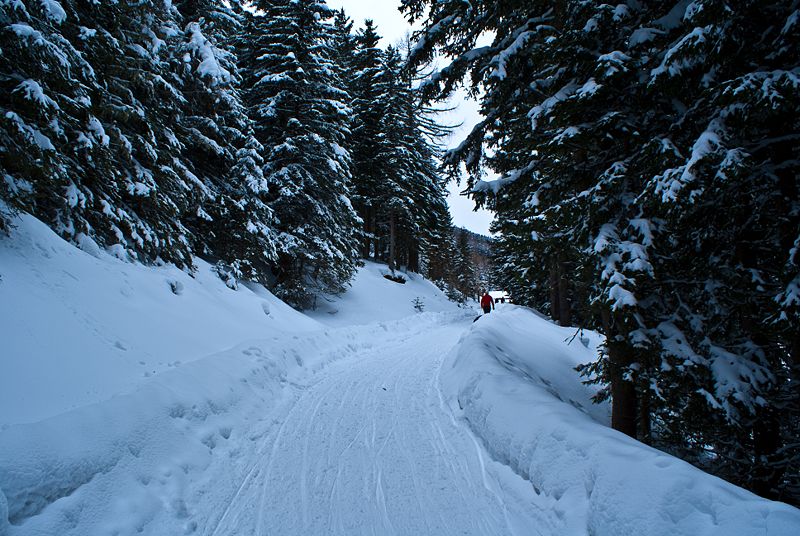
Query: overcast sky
{"points": [[393, 27]]}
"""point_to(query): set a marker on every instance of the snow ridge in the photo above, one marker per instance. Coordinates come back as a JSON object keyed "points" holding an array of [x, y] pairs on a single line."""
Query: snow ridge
{"points": [[511, 380]]}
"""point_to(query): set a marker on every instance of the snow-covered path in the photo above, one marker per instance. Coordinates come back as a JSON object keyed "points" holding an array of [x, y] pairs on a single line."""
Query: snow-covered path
{"points": [[371, 448], [165, 403]]}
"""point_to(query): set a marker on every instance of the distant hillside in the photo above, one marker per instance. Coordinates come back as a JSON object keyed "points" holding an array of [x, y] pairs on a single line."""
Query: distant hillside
{"points": [[480, 253]]}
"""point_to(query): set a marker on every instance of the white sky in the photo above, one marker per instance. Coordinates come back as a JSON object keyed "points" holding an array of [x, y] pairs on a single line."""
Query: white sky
{"points": [[393, 27]]}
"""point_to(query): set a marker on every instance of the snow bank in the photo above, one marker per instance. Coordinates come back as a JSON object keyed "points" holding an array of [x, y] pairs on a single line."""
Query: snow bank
{"points": [[130, 395], [373, 298], [79, 326], [511, 379]]}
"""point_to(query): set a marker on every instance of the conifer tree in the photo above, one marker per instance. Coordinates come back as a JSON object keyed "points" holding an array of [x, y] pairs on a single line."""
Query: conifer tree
{"points": [[438, 251], [232, 222], [41, 93], [368, 132], [399, 191], [343, 44], [727, 191], [466, 278], [299, 107], [647, 148], [123, 123], [123, 182]]}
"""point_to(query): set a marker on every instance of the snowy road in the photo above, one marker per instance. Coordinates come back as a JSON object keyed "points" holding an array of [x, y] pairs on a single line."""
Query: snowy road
{"points": [[371, 448]]}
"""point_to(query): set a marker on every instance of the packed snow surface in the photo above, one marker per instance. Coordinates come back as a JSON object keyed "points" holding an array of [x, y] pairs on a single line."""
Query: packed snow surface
{"points": [[140, 400]]}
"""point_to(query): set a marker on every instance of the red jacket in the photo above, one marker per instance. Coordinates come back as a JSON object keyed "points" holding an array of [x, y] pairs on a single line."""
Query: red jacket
{"points": [[487, 301]]}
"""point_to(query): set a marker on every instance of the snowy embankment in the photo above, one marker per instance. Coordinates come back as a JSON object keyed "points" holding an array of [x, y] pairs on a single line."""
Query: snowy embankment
{"points": [[512, 381], [79, 326], [144, 400], [128, 391], [374, 298]]}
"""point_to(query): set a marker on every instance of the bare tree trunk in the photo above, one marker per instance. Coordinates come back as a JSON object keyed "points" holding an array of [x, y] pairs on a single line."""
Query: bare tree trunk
{"points": [[623, 394], [413, 257], [367, 232], [374, 227], [766, 442], [623, 397], [401, 252]]}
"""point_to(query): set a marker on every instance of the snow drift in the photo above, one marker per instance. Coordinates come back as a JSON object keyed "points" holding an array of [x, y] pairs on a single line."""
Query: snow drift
{"points": [[80, 326], [373, 298], [511, 380]]}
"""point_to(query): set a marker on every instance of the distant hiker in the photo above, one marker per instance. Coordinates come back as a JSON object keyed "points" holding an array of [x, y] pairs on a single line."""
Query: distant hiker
{"points": [[487, 303]]}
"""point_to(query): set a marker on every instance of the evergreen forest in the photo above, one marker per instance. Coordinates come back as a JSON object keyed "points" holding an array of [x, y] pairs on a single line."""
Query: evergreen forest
{"points": [[648, 155], [649, 161], [274, 141]]}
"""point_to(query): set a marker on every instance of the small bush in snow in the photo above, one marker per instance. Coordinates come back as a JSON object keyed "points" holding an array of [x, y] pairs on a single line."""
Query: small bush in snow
{"points": [[228, 274], [176, 287]]}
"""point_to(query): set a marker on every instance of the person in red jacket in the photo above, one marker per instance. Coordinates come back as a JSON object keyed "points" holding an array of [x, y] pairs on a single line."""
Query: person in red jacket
{"points": [[487, 303]]}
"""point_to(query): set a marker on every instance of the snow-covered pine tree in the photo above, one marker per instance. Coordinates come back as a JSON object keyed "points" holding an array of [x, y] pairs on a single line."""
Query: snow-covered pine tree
{"points": [[727, 190], [437, 250], [656, 143], [399, 190], [420, 137], [231, 222], [557, 126], [396, 213], [121, 177], [299, 107], [42, 92], [368, 131], [343, 44], [411, 193], [465, 275]]}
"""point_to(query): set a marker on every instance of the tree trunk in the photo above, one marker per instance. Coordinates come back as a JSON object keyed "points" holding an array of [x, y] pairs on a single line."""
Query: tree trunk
{"points": [[392, 239], [413, 258], [645, 432], [376, 241], [401, 251], [794, 358], [623, 395], [367, 232], [564, 309], [554, 305], [766, 442], [624, 403]]}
